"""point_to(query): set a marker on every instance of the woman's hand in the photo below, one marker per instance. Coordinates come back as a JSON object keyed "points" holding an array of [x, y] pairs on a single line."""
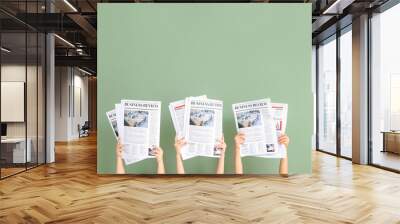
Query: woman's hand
{"points": [[283, 166], [119, 148], [159, 154], [221, 145], [179, 143], [119, 167], [239, 139], [284, 139]]}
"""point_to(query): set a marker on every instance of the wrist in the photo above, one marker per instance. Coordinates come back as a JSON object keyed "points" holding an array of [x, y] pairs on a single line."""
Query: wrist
{"points": [[237, 150]]}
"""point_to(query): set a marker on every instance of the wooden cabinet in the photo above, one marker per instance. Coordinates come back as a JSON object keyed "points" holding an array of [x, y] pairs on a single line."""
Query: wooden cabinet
{"points": [[391, 142]]}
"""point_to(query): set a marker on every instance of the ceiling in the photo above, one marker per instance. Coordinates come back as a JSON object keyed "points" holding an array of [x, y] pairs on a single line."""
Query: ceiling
{"points": [[76, 21]]}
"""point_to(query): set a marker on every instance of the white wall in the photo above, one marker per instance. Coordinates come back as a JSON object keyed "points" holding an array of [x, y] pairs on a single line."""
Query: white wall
{"points": [[10, 73], [62, 81], [80, 110], [34, 126], [15, 72], [70, 83]]}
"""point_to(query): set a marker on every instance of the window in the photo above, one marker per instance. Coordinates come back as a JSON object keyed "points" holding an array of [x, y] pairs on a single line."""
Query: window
{"points": [[22, 77], [327, 96], [346, 92], [385, 89]]}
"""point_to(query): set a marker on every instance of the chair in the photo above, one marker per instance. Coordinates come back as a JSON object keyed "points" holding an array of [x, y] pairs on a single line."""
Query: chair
{"points": [[84, 130]]}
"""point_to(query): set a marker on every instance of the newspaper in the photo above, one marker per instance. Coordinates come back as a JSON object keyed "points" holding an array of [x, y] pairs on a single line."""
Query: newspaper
{"points": [[202, 127], [141, 129], [177, 111], [279, 111], [120, 126], [112, 120], [255, 120]]}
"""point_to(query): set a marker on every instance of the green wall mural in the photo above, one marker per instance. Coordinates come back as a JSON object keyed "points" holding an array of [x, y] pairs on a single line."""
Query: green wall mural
{"points": [[230, 52]]}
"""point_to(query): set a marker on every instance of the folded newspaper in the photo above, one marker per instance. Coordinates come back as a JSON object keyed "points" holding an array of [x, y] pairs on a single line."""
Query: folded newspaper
{"points": [[138, 125], [199, 121], [256, 120]]}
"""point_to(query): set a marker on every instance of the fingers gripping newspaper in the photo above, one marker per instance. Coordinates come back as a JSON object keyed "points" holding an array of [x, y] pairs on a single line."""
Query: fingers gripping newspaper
{"points": [[255, 120], [202, 127], [141, 129]]}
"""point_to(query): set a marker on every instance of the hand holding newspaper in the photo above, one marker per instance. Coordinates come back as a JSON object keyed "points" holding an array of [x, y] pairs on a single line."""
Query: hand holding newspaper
{"points": [[202, 127], [140, 121], [199, 121], [255, 120], [177, 111]]}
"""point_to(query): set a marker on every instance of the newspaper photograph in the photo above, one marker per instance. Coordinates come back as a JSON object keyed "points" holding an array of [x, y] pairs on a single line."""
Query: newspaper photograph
{"points": [[112, 120], [255, 120], [141, 129], [202, 127]]}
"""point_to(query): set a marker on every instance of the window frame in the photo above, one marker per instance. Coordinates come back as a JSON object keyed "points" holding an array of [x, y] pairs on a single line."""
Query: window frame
{"points": [[334, 37]]}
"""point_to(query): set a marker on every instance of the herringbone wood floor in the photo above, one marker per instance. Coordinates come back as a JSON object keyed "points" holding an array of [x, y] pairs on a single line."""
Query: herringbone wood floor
{"points": [[70, 191]]}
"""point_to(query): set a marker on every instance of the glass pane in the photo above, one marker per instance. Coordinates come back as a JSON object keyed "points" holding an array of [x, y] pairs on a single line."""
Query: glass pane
{"points": [[386, 89], [32, 95], [13, 87], [346, 93], [41, 99], [327, 96], [314, 93]]}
